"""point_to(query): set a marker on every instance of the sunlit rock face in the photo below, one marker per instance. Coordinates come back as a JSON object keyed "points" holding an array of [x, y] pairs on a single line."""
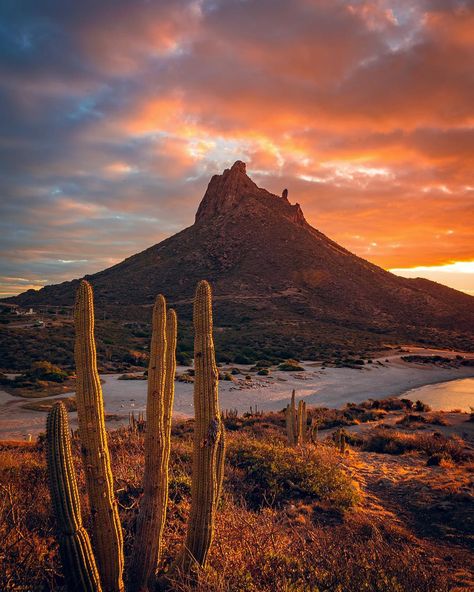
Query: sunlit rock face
{"points": [[234, 190], [276, 277]]}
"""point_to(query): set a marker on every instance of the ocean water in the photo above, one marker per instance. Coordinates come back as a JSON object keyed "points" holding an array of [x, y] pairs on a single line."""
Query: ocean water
{"points": [[445, 396], [122, 397]]}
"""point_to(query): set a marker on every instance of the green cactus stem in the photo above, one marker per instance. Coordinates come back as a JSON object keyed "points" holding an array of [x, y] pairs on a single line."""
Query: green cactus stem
{"points": [[106, 529], [209, 444], [77, 557], [152, 516]]}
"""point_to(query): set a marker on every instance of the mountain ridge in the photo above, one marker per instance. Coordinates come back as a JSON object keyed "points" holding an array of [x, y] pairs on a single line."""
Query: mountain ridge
{"points": [[272, 274]]}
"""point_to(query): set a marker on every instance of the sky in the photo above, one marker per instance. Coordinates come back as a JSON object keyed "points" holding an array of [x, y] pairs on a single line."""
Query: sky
{"points": [[115, 114]]}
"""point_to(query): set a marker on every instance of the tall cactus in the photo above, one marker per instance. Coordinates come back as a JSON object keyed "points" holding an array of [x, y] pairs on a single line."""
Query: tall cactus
{"points": [[208, 454], [152, 516], [79, 567], [106, 529]]}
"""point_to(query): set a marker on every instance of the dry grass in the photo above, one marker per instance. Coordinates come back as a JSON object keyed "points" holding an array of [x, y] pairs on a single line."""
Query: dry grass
{"points": [[289, 520], [391, 441]]}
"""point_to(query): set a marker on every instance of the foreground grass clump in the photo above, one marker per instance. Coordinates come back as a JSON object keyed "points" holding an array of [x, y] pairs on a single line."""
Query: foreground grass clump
{"points": [[274, 474], [391, 441]]}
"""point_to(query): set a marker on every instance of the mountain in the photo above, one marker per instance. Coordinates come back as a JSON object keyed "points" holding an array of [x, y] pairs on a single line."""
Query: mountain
{"points": [[281, 287]]}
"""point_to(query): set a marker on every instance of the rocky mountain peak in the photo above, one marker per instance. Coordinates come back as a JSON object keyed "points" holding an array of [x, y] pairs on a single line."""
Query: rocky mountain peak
{"points": [[280, 284], [233, 188], [225, 191]]}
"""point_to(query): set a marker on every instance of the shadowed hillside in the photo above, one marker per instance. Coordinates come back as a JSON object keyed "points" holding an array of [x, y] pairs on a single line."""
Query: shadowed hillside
{"points": [[281, 287]]}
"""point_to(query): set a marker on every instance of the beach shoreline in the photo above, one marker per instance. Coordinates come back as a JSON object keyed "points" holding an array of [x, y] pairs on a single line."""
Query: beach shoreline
{"points": [[387, 376]]}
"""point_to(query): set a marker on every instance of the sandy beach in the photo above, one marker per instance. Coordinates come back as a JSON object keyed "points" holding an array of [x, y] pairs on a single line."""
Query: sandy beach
{"points": [[387, 376]]}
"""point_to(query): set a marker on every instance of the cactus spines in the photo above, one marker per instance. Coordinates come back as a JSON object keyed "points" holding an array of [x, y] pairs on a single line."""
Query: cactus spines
{"points": [[79, 567], [171, 338], [152, 516], [106, 529], [208, 455]]}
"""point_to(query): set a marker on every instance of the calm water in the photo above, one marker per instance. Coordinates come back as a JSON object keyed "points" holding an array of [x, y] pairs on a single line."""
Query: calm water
{"points": [[122, 397], [445, 396]]}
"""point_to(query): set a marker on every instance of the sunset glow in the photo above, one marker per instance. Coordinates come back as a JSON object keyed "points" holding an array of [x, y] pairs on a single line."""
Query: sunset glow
{"points": [[117, 113]]}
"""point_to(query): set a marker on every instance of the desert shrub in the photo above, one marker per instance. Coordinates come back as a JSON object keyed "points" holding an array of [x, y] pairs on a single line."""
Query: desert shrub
{"points": [[331, 418], [276, 474], [421, 407], [263, 364], [390, 404], [241, 359], [263, 372], [388, 441], [184, 358], [46, 371], [411, 418], [437, 419], [179, 487], [436, 460], [290, 366], [360, 414]]}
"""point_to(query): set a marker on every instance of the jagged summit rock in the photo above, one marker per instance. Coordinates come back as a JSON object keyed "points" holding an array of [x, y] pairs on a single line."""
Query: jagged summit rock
{"points": [[235, 190], [275, 278]]}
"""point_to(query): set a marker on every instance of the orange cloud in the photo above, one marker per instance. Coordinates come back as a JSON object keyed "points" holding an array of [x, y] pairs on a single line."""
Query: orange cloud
{"points": [[362, 109]]}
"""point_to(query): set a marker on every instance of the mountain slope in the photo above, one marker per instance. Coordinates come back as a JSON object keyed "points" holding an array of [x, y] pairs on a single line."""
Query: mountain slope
{"points": [[276, 279]]}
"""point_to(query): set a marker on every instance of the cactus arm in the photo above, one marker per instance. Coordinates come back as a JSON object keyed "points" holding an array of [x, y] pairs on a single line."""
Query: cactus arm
{"points": [[107, 532], [79, 567]]}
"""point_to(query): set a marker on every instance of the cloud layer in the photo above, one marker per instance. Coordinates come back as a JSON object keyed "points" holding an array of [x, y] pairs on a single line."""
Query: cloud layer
{"points": [[116, 113]]}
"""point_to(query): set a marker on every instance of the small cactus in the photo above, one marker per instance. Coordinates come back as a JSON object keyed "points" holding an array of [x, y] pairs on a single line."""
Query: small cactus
{"points": [[341, 440], [77, 557], [296, 422], [106, 529]]}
